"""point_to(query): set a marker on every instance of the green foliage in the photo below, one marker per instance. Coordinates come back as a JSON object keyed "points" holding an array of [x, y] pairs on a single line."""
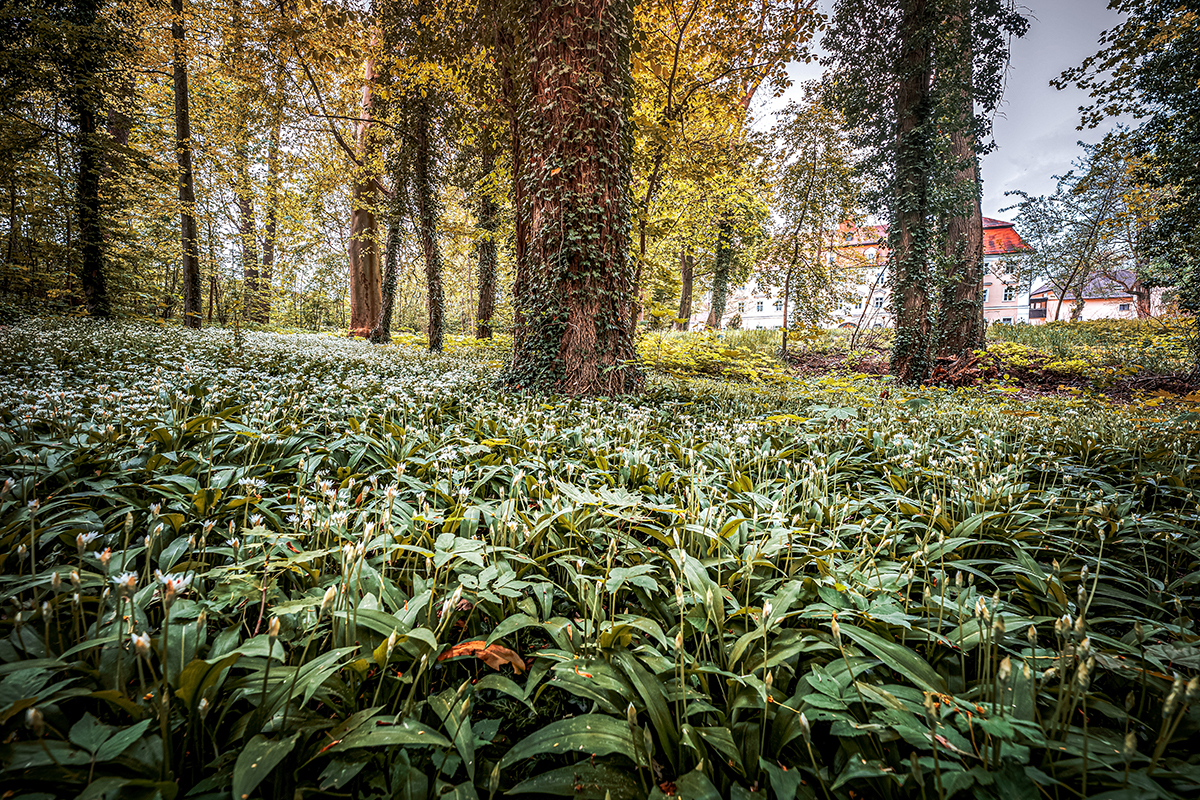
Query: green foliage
{"points": [[382, 576], [1150, 346]]}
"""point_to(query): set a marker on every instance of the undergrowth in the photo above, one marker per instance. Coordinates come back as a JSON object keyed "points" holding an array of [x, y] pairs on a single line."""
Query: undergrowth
{"points": [[301, 566]]}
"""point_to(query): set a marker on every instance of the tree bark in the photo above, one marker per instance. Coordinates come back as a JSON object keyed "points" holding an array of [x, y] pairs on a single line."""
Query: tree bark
{"points": [[910, 353], [489, 222], [961, 321], [271, 227], [365, 289], [428, 214], [247, 227], [576, 295], [87, 184], [189, 243], [382, 333], [687, 269], [509, 92], [1141, 294], [722, 263]]}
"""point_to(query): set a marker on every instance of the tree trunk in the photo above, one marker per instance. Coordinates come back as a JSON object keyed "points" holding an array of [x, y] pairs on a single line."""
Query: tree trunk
{"points": [[489, 222], [382, 334], [1141, 294], [189, 243], [365, 290], [243, 186], [506, 61], [687, 269], [87, 183], [961, 318], [247, 227], [271, 228], [910, 353], [638, 295], [428, 214], [577, 294], [721, 266]]}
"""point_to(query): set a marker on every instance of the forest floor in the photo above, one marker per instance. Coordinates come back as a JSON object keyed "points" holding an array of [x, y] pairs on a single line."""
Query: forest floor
{"points": [[267, 565]]}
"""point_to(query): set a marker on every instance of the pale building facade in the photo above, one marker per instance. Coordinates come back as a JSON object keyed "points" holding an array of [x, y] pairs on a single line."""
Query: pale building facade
{"points": [[863, 250]]}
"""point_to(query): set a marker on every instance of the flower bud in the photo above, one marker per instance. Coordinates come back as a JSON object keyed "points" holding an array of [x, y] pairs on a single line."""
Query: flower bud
{"points": [[35, 720], [330, 594], [141, 644], [1129, 750]]}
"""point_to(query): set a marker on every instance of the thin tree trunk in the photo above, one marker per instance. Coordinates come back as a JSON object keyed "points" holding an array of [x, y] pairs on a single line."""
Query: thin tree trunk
{"points": [[428, 214], [687, 269], [87, 183], [1141, 296], [247, 228], [382, 333], [652, 184], [961, 320], [489, 222], [365, 289], [271, 228], [910, 353], [721, 266], [506, 61], [576, 298], [187, 189]]}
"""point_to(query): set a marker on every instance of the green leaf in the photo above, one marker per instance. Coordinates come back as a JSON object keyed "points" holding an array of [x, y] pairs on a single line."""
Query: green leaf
{"points": [[257, 760], [593, 780], [898, 657], [89, 733], [374, 734], [121, 740], [594, 734]]}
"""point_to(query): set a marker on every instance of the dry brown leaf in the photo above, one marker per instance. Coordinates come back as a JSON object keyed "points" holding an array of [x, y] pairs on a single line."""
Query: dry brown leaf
{"points": [[493, 655]]}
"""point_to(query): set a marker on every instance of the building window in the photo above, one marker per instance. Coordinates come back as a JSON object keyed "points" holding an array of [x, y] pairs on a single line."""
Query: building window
{"points": [[858, 303], [741, 308], [1010, 294], [1007, 320], [879, 302], [779, 305], [985, 294], [1125, 307], [871, 254], [758, 306]]}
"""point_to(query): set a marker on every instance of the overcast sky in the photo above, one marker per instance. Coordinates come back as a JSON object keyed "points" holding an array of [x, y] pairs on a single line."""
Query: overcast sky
{"points": [[1035, 132]]}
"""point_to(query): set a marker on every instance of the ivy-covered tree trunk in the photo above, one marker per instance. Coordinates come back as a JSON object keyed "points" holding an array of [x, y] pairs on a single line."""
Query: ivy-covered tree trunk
{"points": [[84, 97], [722, 263], [961, 327], [911, 234], [428, 212], [382, 333], [489, 222], [189, 241], [365, 289], [687, 270], [576, 292]]}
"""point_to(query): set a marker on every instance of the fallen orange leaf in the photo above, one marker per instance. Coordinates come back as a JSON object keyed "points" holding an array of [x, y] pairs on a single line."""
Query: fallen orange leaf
{"points": [[494, 655]]}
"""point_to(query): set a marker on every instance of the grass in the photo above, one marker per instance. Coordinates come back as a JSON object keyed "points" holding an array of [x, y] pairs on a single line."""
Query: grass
{"points": [[283, 566]]}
